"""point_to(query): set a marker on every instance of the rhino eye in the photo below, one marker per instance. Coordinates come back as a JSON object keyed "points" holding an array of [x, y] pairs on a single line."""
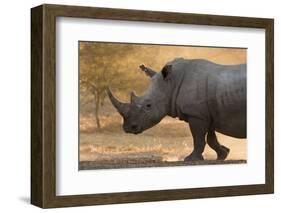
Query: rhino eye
{"points": [[148, 105]]}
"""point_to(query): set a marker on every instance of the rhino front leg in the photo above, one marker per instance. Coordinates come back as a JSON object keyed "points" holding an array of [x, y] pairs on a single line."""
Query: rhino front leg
{"points": [[199, 129], [222, 151]]}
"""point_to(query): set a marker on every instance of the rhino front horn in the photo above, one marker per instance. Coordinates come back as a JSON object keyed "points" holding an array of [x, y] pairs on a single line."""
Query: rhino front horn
{"points": [[122, 108]]}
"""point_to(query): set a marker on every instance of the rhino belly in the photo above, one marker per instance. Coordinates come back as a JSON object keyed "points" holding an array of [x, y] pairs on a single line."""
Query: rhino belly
{"points": [[230, 119], [232, 125]]}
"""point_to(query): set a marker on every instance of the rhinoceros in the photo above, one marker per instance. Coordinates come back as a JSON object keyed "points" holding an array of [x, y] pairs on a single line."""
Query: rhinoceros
{"points": [[210, 97]]}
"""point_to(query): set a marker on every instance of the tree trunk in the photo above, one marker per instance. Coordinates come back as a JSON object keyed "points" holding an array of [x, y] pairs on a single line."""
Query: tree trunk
{"points": [[97, 107]]}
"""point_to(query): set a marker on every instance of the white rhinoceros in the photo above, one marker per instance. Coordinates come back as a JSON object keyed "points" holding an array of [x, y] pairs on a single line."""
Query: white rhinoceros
{"points": [[210, 97]]}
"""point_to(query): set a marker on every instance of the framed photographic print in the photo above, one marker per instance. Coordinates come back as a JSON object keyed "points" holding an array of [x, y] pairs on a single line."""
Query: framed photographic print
{"points": [[136, 106]]}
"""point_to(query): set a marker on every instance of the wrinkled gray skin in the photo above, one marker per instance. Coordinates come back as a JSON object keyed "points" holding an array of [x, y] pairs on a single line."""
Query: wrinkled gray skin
{"points": [[209, 96]]}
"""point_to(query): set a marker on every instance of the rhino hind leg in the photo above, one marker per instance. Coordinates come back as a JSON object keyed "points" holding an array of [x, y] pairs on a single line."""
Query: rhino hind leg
{"points": [[222, 151], [198, 129]]}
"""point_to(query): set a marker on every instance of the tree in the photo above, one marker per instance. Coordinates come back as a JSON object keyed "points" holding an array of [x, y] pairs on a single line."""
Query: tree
{"points": [[101, 66]]}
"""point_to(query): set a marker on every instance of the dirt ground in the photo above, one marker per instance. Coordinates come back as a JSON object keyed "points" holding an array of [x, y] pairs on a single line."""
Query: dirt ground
{"points": [[169, 141]]}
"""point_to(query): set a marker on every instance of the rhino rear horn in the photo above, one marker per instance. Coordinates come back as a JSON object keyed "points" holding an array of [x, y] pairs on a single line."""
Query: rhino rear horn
{"points": [[122, 108], [134, 97]]}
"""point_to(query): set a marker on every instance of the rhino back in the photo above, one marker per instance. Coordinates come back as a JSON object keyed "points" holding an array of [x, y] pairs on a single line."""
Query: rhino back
{"points": [[213, 92], [228, 106]]}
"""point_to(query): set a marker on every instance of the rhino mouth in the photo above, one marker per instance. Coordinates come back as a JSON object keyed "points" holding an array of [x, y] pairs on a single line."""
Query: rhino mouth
{"points": [[133, 129], [136, 132]]}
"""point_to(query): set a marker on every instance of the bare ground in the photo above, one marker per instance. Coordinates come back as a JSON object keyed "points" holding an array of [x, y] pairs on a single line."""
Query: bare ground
{"points": [[166, 144]]}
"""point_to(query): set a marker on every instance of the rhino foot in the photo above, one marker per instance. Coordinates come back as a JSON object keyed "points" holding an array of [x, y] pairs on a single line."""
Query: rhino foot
{"points": [[194, 157], [223, 153]]}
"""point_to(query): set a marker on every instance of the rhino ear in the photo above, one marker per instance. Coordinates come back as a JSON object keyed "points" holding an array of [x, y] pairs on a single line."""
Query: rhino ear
{"points": [[166, 71]]}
